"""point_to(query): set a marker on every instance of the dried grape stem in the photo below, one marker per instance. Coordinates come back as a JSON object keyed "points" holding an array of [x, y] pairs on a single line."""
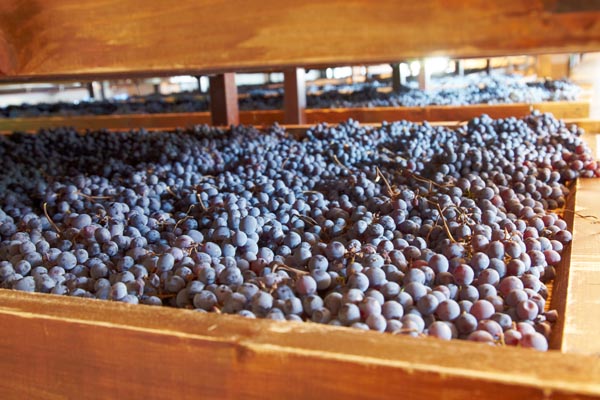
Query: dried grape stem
{"points": [[391, 192], [45, 207], [289, 269], [446, 227]]}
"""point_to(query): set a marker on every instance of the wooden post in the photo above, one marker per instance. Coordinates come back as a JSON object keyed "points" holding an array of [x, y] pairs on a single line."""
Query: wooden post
{"points": [[224, 107], [424, 76], [90, 88], [488, 66], [367, 74], [294, 96], [104, 90], [198, 82], [459, 68], [398, 78], [356, 74]]}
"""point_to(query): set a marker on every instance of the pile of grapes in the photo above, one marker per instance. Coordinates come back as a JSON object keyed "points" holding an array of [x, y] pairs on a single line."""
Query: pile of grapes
{"points": [[404, 228], [486, 90], [457, 91]]}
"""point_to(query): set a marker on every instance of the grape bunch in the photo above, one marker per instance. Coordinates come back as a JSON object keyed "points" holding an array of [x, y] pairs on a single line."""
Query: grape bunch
{"points": [[405, 228]]}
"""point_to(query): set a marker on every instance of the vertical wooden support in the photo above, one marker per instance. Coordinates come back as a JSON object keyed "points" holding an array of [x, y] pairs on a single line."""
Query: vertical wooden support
{"points": [[368, 74], [224, 109], [424, 76], [398, 78], [459, 68], [357, 74], [90, 88], [294, 96], [104, 90], [488, 66]]}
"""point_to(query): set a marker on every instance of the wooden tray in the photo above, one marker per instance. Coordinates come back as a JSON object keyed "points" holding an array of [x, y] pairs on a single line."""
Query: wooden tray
{"points": [[561, 109], [62, 347]]}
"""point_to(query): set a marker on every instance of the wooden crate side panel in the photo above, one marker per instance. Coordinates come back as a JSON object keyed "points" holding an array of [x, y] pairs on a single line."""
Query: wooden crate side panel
{"points": [[58, 347], [61, 38], [560, 285], [261, 117], [97, 122], [565, 109], [582, 303], [467, 112], [313, 116]]}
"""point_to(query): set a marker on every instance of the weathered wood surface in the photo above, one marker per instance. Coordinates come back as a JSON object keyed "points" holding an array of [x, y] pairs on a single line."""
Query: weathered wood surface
{"points": [[59, 347], [294, 96], [582, 301], [71, 38], [224, 107], [572, 110]]}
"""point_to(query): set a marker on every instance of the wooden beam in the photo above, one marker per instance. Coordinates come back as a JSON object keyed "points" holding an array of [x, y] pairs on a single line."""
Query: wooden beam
{"points": [[577, 110], [424, 76], [104, 90], [56, 39], [90, 88], [294, 96], [565, 109], [459, 68], [488, 66], [582, 305], [224, 106], [166, 352], [398, 78]]}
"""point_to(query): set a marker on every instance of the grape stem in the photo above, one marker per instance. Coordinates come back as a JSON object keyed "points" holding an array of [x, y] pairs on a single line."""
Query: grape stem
{"points": [[45, 207], [293, 270]]}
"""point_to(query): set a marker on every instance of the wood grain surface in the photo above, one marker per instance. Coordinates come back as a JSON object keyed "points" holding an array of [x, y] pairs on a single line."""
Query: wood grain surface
{"points": [[40, 39], [224, 107], [582, 304], [294, 96], [573, 110], [60, 347]]}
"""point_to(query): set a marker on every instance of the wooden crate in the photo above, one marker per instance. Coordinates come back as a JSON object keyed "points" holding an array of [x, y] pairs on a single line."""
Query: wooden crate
{"points": [[562, 109], [62, 347], [57, 347]]}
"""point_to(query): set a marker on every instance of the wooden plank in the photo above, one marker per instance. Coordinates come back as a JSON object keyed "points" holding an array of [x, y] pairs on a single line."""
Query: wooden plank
{"points": [[488, 66], [398, 78], [589, 125], [577, 285], [224, 108], [560, 286], [465, 113], [294, 96], [431, 113], [96, 122], [565, 109], [60, 347], [424, 77], [582, 305], [582, 308], [365, 114], [459, 68], [55, 38], [269, 117]]}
